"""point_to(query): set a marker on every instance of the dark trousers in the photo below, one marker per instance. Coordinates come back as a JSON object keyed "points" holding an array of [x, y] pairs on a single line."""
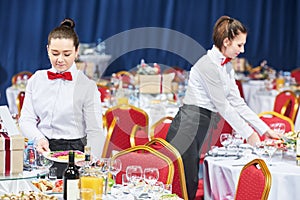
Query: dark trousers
{"points": [[63, 145], [187, 133]]}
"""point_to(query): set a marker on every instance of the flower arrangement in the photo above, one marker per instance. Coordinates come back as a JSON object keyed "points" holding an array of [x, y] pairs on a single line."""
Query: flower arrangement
{"points": [[145, 69]]}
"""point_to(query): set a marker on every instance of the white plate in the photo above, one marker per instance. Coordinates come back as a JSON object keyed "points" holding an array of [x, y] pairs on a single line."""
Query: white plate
{"points": [[51, 156]]}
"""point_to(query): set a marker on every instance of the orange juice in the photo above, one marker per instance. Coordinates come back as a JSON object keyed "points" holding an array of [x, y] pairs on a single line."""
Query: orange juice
{"points": [[122, 100], [279, 83], [93, 182]]}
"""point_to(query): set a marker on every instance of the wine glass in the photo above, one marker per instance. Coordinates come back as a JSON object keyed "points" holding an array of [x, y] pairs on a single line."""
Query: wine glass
{"points": [[103, 166], [270, 147], [278, 127], [151, 175], [226, 140], [237, 141], [134, 173], [115, 167], [260, 148]]}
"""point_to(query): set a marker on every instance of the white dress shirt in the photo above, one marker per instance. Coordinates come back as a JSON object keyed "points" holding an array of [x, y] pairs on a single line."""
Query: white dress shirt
{"points": [[65, 109], [212, 86]]}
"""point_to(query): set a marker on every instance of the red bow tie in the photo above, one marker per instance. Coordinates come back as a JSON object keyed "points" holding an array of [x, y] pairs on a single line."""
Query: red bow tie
{"points": [[226, 61], [65, 75]]}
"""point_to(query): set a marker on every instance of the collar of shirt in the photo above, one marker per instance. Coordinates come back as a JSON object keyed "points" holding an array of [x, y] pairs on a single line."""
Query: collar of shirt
{"points": [[216, 56], [72, 69]]}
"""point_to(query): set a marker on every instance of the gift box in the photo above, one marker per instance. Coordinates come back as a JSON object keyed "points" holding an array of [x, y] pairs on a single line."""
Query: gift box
{"points": [[11, 154], [155, 84]]}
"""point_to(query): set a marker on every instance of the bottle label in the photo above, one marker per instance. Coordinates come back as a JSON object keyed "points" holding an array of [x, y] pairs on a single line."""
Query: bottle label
{"points": [[72, 189]]}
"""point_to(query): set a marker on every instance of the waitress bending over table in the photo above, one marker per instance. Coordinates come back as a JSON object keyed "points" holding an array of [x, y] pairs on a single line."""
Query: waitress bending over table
{"points": [[62, 108], [212, 89]]}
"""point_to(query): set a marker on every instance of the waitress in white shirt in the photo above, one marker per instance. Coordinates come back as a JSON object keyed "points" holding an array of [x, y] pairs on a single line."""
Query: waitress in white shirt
{"points": [[212, 89], [62, 108]]}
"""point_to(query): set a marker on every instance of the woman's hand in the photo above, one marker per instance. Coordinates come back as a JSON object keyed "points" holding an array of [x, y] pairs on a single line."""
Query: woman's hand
{"points": [[42, 146], [253, 139], [272, 134]]}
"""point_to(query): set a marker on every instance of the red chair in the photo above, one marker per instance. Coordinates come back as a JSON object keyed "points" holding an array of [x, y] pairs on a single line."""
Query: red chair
{"points": [[105, 92], [19, 101], [139, 136], [119, 122], [254, 182], [21, 76], [296, 74], [146, 156], [179, 184], [126, 77], [271, 117], [286, 103], [160, 128]]}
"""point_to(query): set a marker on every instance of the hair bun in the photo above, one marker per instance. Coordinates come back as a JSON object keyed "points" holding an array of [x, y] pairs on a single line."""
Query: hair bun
{"points": [[68, 22]]}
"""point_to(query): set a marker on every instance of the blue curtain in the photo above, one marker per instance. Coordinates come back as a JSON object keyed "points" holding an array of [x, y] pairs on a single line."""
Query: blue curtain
{"points": [[274, 30]]}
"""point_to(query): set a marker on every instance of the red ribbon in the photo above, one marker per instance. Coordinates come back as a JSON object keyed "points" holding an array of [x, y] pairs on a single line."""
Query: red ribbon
{"points": [[7, 152]]}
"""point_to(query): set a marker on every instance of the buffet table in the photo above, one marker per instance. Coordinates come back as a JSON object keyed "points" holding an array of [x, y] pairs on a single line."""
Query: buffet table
{"points": [[221, 176]]}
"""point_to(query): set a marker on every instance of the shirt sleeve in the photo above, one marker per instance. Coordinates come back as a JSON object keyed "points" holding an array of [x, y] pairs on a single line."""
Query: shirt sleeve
{"points": [[93, 120], [227, 105], [28, 120]]}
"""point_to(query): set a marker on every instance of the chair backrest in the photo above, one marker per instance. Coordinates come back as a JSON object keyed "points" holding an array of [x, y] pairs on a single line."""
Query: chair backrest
{"points": [[146, 156], [160, 128], [139, 136], [254, 182], [296, 74], [179, 183], [105, 92], [272, 117], [20, 100], [286, 103], [126, 77], [22, 76], [120, 122]]}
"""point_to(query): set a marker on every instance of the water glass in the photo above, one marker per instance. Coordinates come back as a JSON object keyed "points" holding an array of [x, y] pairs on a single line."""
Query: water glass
{"points": [[52, 173], [168, 189], [87, 194]]}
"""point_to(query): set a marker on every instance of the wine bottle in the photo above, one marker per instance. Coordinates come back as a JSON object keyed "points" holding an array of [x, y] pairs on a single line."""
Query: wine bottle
{"points": [[298, 149], [71, 179]]}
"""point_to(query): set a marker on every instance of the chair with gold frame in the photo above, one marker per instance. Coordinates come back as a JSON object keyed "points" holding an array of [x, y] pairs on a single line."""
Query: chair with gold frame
{"points": [[287, 104], [254, 182], [19, 101], [23, 75], [146, 156], [160, 128], [179, 183], [272, 117], [126, 77], [119, 123]]}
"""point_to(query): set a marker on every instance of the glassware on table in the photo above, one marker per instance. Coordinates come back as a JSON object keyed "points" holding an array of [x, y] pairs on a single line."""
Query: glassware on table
{"points": [[237, 141], [103, 166], [115, 167], [226, 140], [278, 127], [92, 178], [259, 149], [43, 162], [134, 174], [270, 148], [87, 194], [151, 175]]}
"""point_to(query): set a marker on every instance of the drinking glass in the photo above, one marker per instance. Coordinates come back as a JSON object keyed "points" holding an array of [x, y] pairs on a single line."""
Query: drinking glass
{"points": [[103, 165], [260, 149], [278, 127], [226, 140], [151, 175], [270, 148], [43, 162], [115, 167], [134, 173]]}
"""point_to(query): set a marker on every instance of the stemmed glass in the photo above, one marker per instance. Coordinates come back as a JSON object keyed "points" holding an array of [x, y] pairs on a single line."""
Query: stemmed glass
{"points": [[260, 148], [226, 140], [151, 176], [278, 127], [115, 167], [103, 165], [270, 148], [237, 141], [134, 174]]}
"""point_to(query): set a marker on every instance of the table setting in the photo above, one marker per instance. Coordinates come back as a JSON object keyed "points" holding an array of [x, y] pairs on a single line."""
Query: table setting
{"points": [[222, 167]]}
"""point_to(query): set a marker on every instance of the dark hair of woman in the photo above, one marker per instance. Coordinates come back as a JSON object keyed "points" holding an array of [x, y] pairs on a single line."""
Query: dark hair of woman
{"points": [[226, 27], [65, 31]]}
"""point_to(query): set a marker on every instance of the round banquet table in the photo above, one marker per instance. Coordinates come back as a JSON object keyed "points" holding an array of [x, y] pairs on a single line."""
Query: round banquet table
{"points": [[221, 176]]}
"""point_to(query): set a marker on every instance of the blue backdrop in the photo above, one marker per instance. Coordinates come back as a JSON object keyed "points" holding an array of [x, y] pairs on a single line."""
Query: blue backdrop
{"points": [[274, 29]]}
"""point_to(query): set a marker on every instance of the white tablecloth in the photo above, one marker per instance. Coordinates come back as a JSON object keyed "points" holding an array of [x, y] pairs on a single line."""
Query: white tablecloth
{"points": [[221, 178]]}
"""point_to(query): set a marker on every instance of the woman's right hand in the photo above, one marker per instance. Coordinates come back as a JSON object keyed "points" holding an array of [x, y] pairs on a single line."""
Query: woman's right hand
{"points": [[42, 146], [253, 139]]}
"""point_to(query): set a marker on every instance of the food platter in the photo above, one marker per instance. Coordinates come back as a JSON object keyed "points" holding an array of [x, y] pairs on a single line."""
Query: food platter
{"points": [[63, 156]]}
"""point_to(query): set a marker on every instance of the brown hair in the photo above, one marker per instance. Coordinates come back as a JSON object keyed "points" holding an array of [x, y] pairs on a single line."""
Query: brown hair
{"points": [[226, 27], [65, 31]]}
